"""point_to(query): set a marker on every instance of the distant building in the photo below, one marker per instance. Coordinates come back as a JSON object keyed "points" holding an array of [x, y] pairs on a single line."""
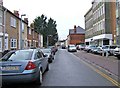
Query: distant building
{"points": [[76, 35], [100, 23], [34, 39]]}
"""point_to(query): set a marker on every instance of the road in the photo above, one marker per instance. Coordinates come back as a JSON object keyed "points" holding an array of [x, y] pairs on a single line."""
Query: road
{"points": [[69, 70]]}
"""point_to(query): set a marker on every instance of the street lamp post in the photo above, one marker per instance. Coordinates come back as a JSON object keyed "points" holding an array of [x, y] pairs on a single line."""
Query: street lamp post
{"points": [[20, 44]]}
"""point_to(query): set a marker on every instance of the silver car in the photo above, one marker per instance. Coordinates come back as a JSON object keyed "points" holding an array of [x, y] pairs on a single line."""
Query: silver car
{"points": [[72, 48], [23, 66]]}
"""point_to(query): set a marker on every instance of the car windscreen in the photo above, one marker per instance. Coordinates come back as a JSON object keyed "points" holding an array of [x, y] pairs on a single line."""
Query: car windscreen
{"points": [[72, 46], [105, 47], [18, 55], [113, 47]]}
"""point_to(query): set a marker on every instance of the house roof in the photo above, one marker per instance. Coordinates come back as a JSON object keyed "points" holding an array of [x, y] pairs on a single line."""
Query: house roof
{"points": [[4, 8], [79, 30]]}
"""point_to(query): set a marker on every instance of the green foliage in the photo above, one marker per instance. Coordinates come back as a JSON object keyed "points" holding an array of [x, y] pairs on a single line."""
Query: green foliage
{"points": [[46, 29]]}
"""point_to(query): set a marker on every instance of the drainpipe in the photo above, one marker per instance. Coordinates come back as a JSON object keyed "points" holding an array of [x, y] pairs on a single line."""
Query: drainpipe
{"points": [[4, 29]]}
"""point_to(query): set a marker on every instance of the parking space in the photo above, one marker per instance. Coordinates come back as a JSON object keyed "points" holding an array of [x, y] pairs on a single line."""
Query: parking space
{"points": [[109, 63]]}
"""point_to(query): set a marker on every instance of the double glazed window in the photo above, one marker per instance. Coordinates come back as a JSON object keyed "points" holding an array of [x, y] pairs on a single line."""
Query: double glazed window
{"points": [[29, 31], [13, 22], [13, 43]]}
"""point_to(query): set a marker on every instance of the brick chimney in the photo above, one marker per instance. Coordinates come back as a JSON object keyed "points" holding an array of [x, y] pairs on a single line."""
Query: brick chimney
{"points": [[26, 20], [74, 28], [16, 13]]}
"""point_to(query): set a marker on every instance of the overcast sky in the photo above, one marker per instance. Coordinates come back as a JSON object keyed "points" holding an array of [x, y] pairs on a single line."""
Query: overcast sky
{"points": [[66, 13]]}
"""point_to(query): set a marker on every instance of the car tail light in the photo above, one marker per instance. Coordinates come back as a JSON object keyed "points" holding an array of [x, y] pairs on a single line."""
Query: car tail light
{"points": [[30, 66]]}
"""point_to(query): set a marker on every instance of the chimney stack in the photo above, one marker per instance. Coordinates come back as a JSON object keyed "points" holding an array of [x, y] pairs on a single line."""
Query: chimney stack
{"points": [[74, 28], [1, 2], [26, 20], [16, 13]]}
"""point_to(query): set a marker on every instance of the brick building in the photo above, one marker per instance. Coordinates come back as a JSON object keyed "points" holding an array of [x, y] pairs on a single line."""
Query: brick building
{"points": [[76, 35]]}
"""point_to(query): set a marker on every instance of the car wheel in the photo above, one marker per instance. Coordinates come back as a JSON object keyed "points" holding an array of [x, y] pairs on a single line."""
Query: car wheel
{"points": [[53, 58], [49, 60], [39, 80], [118, 57]]}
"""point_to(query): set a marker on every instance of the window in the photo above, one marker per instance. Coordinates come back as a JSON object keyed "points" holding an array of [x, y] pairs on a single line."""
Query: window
{"points": [[13, 22], [13, 43], [29, 31], [6, 43], [23, 27], [38, 55], [0, 17], [19, 55]]}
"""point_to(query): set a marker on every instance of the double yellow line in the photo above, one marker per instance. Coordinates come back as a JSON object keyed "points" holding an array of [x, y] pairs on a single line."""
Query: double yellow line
{"points": [[103, 74]]}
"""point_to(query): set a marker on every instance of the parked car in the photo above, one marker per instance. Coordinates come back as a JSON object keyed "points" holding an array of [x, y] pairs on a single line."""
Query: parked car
{"points": [[86, 47], [99, 51], [94, 50], [63, 47], [23, 66], [80, 47], [109, 49], [72, 48], [49, 54], [117, 52], [5, 52], [89, 48]]}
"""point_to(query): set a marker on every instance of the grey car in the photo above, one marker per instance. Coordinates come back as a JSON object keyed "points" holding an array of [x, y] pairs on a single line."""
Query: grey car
{"points": [[23, 66]]}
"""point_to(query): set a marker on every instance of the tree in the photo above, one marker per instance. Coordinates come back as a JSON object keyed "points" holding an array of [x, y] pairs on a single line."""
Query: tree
{"points": [[51, 30], [40, 24], [46, 29]]}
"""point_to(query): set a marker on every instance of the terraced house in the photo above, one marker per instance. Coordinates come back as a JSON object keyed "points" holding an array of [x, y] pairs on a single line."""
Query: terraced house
{"points": [[117, 22], [3, 34], [100, 23], [33, 38], [10, 26]]}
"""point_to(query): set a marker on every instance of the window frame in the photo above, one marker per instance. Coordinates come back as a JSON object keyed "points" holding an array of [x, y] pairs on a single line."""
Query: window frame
{"points": [[14, 42], [13, 22]]}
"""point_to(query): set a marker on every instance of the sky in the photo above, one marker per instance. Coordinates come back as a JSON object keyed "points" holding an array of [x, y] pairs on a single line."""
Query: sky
{"points": [[66, 13]]}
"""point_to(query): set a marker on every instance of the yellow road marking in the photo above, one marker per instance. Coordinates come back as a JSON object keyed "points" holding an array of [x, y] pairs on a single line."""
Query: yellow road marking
{"points": [[102, 74]]}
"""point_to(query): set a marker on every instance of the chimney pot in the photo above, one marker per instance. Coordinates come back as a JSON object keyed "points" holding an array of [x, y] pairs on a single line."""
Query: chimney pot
{"points": [[74, 28], [16, 13], [26, 20]]}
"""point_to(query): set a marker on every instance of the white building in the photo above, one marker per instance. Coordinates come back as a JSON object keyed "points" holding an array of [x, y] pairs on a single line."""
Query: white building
{"points": [[100, 24]]}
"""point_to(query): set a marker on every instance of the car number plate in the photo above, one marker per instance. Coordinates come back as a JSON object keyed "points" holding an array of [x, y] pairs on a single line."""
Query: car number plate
{"points": [[7, 68]]}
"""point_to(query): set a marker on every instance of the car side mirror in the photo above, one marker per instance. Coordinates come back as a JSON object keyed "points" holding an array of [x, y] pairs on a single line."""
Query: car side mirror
{"points": [[45, 55]]}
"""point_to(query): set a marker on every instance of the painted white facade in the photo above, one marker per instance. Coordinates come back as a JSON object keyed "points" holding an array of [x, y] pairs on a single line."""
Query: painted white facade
{"points": [[101, 38]]}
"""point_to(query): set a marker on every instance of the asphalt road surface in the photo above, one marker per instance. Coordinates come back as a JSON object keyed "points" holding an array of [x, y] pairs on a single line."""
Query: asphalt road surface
{"points": [[69, 70]]}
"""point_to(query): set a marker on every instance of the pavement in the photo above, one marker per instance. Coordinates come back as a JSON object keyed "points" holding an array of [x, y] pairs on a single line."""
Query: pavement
{"points": [[110, 63]]}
